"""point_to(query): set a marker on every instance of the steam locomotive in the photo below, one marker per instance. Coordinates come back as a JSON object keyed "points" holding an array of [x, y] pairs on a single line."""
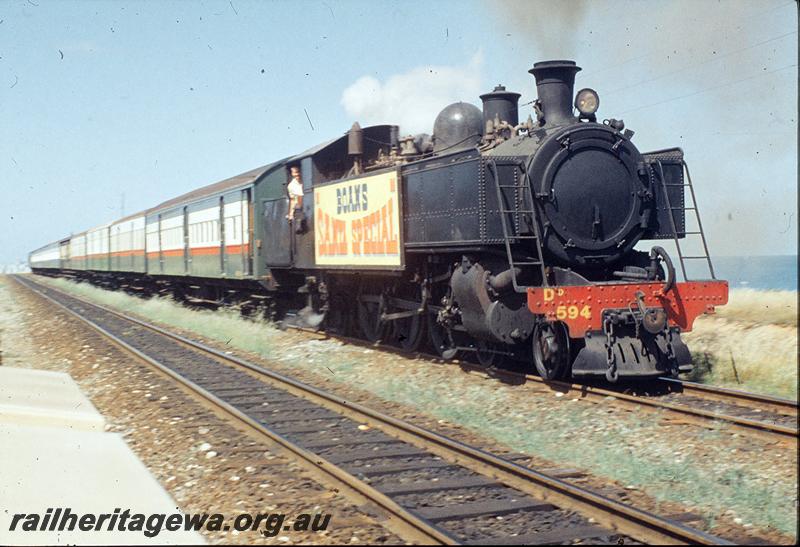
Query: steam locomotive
{"points": [[494, 237]]}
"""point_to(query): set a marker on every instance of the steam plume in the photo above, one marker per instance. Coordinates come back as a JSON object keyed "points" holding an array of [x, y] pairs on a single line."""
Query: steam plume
{"points": [[412, 99]]}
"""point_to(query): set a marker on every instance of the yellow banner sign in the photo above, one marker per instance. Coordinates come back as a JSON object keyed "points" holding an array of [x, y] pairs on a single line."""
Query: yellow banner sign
{"points": [[357, 222]]}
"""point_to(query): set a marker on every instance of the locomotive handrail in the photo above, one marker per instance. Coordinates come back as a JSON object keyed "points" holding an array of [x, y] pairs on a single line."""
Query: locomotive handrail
{"points": [[491, 165], [671, 218], [699, 221], [657, 251], [671, 210], [526, 186]]}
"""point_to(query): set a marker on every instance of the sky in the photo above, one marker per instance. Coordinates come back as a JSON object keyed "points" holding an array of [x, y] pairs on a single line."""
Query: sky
{"points": [[111, 107]]}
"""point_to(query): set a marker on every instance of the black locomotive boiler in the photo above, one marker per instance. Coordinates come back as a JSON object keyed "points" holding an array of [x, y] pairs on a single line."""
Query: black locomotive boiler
{"points": [[492, 236]]}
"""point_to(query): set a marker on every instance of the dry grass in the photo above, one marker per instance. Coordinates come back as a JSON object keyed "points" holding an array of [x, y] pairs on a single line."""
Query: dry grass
{"points": [[751, 343], [761, 307]]}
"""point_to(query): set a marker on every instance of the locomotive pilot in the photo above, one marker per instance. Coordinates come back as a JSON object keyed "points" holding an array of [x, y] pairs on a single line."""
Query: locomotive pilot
{"points": [[295, 190]]}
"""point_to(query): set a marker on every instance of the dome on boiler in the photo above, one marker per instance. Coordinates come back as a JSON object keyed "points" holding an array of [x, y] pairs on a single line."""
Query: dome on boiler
{"points": [[458, 126]]}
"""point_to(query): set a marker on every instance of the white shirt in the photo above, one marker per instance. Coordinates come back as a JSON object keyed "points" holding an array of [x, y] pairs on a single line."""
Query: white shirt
{"points": [[295, 188]]}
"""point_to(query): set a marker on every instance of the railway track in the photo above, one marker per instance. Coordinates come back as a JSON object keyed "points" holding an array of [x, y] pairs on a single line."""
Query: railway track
{"points": [[748, 413], [767, 417], [431, 488], [742, 399]]}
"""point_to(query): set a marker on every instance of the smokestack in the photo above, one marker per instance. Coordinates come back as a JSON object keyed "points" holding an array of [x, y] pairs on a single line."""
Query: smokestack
{"points": [[555, 82]]}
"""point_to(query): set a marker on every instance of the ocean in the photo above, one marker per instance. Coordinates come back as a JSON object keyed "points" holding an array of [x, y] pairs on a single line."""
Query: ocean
{"points": [[753, 272]]}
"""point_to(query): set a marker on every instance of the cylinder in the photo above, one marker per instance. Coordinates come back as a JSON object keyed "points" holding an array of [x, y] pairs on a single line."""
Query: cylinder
{"points": [[555, 82], [501, 104]]}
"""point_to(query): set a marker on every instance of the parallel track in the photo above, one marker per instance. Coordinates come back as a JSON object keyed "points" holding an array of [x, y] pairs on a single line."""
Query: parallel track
{"points": [[704, 407], [763, 416], [733, 396], [423, 481], [767, 417]]}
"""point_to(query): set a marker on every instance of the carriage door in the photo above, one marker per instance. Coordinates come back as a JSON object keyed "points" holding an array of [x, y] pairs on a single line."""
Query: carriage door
{"points": [[187, 259], [223, 251], [278, 236], [248, 232], [63, 254]]}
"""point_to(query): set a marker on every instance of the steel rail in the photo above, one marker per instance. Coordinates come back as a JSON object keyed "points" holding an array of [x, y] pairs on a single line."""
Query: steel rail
{"points": [[410, 525], [622, 518], [736, 396], [587, 391], [698, 415]]}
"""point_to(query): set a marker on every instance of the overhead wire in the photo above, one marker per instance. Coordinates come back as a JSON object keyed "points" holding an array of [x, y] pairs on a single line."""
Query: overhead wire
{"points": [[695, 65], [652, 52], [727, 84]]}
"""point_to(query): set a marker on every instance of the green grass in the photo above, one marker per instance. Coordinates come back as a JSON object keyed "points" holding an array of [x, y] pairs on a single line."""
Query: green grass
{"points": [[628, 450], [631, 449], [224, 326]]}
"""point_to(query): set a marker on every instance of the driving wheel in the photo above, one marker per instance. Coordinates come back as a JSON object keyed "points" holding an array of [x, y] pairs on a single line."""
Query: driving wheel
{"points": [[442, 339], [370, 308], [550, 350]]}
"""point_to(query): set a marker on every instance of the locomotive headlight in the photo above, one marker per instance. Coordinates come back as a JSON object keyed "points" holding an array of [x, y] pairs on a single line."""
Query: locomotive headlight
{"points": [[587, 101]]}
